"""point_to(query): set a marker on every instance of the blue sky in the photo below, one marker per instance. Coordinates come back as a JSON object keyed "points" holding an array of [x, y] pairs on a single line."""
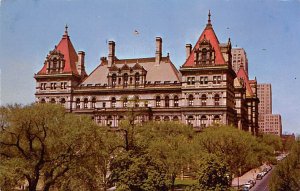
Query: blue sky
{"points": [[268, 30]]}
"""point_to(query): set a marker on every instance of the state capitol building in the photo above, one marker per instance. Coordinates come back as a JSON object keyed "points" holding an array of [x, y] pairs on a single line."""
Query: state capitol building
{"points": [[204, 90]]}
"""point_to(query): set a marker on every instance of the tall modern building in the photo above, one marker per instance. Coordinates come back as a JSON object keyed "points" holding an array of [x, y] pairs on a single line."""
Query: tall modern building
{"points": [[239, 58], [268, 123], [205, 90], [264, 92]]}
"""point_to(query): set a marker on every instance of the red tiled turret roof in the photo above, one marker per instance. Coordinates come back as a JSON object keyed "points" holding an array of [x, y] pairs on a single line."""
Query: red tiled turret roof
{"points": [[243, 75], [66, 48], [210, 35]]}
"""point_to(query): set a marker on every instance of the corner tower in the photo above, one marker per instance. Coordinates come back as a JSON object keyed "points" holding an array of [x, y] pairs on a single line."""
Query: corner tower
{"points": [[62, 71], [207, 81]]}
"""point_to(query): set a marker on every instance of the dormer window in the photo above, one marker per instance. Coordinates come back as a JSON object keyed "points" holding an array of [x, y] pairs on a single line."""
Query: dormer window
{"points": [[125, 80], [205, 53], [114, 80]]}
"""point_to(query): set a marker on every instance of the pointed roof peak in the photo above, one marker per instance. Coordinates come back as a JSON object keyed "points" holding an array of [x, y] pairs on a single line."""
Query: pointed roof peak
{"points": [[66, 31], [209, 20]]}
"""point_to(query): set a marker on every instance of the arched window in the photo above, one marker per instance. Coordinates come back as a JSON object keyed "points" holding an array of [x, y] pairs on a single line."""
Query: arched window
{"points": [[136, 101], [62, 101], [167, 101], [166, 118], [176, 101], [191, 100], [43, 100], [203, 100], [77, 103], [217, 100], [157, 101], [54, 64], [137, 78], [109, 120], [203, 121], [175, 118], [52, 100], [113, 102], [125, 102], [216, 119], [93, 102], [114, 80], [203, 55], [125, 82], [157, 118], [119, 81], [190, 120], [85, 103], [130, 81]]}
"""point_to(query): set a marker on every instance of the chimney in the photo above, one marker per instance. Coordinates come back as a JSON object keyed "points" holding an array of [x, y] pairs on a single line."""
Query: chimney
{"points": [[111, 53], [80, 63], [188, 48], [158, 51]]}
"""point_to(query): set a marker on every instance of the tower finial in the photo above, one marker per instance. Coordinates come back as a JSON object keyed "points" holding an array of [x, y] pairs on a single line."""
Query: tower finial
{"points": [[209, 21], [66, 30]]}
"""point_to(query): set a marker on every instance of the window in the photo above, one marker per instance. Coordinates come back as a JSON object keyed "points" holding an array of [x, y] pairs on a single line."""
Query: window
{"points": [[166, 118], [204, 80], [216, 119], [216, 79], [43, 100], [125, 82], [85, 103], [113, 102], [176, 101], [157, 101], [93, 102], [167, 101], [175, 118], [77, 103], [63, 101], [190, 120], [52, 100], [125, 102], [203, 100], [157, 118], [114, 80], [190, 80], [203, 120], [191, 100], [104, 104], [203, 56], [217, 100], [137, 78], [43, 86]]}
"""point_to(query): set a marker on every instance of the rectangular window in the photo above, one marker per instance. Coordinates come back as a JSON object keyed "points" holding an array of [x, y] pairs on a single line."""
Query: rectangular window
{"points": [[103, 104], [190, 80]]}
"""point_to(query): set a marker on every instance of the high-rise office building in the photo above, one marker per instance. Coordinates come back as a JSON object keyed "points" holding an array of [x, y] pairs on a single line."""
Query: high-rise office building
{"points": [[239, 58]]}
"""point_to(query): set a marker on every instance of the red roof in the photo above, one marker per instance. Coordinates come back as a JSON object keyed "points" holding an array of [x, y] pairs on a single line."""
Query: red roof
{"points": [[66, 48], [242, 74], [208, 34]]}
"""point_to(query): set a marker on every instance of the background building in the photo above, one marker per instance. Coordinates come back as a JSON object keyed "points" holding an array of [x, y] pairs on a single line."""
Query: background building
{"points": [[239, 58], [268, 123]]}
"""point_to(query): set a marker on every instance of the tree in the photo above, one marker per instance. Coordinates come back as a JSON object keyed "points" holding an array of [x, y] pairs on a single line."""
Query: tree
{"points": [[40, 143], [238, 149], [286, 175], [272, 140], [213, 173], [137, 170], [168, 142]]}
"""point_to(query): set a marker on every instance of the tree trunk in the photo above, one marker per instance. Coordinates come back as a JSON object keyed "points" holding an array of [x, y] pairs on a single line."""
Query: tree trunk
{"points": [[173, 182], [46, 187], [32, 185]]}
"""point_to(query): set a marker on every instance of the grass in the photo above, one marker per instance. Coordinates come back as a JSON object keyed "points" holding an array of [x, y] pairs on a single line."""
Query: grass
{"points": [[181, 184]]}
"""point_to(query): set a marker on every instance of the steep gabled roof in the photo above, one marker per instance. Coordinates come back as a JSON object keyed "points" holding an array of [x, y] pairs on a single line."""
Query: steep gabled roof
{"points": [[210, 35], [243, 75], [66, 48]]}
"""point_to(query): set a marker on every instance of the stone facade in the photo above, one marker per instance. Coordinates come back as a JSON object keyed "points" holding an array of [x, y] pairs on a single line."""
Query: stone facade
{"points": [[205, 90]]}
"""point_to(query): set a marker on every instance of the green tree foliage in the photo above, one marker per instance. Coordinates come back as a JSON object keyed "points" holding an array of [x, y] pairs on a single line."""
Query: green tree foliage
{"points": [[286, 175], [272, 140], [238, 149], [137, 170], [41, 144], [169, 142], [213, 173]]}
